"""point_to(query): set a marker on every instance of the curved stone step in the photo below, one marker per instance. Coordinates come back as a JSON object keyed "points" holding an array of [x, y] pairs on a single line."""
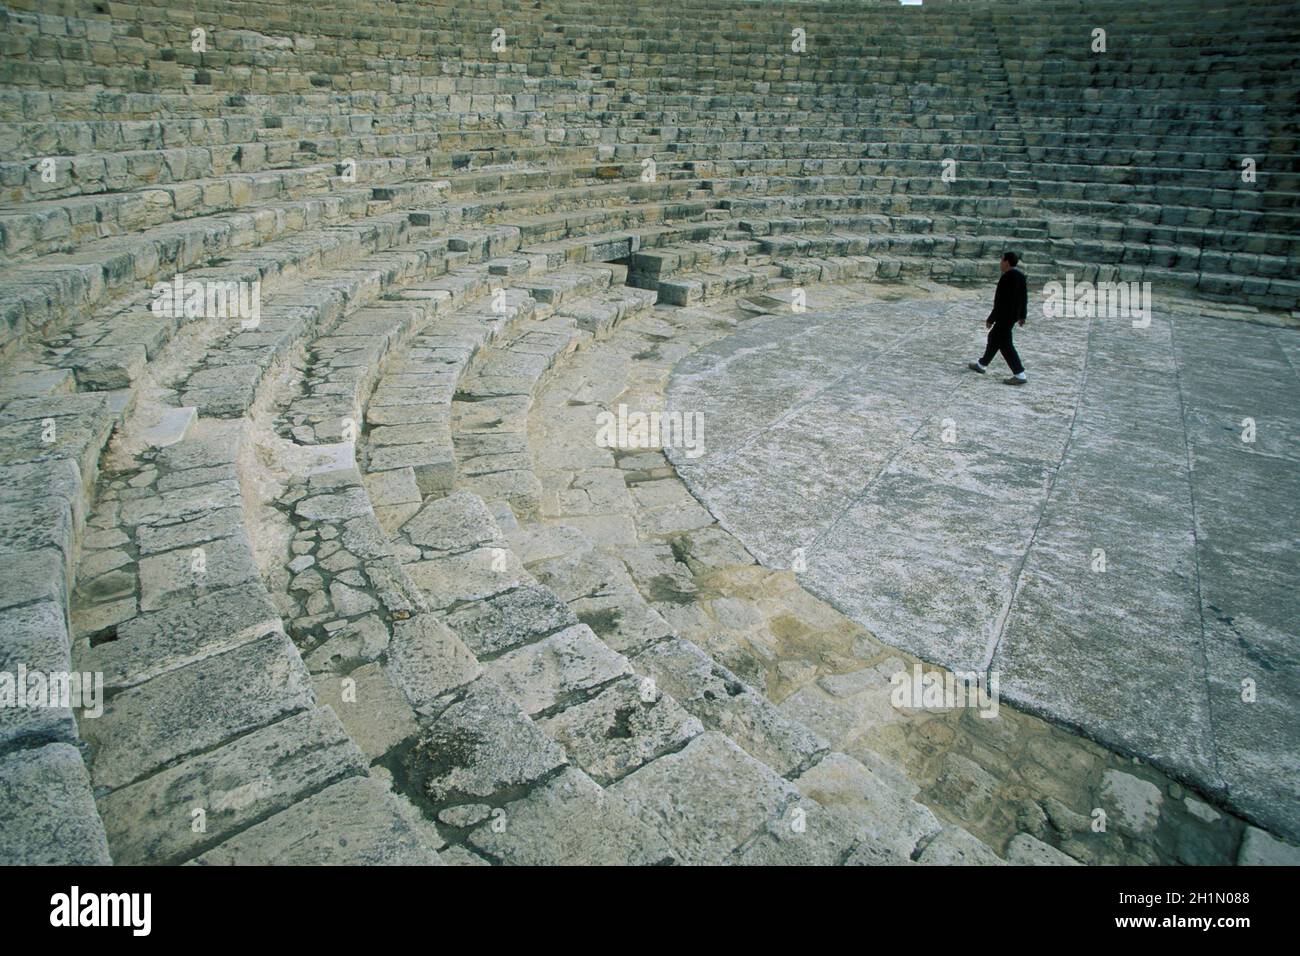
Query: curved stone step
{"points": [[190, 630]]}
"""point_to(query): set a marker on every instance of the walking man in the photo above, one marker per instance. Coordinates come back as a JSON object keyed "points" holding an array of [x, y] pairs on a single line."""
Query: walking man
{"points": [[1010, 306]]}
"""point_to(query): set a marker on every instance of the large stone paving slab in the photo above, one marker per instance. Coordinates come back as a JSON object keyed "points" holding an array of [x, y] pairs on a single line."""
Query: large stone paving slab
{"points": [[1105, 539]]}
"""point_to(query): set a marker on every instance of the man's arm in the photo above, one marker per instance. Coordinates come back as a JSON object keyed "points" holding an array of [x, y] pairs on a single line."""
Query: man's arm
{"points": [[1022, 296]]}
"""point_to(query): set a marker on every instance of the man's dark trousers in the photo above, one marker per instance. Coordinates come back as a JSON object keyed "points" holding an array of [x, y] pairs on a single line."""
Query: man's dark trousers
{"points": [[1000, 341]]}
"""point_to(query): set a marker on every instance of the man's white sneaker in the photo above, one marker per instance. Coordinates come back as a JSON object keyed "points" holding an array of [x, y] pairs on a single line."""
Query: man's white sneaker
{"points": [[976, 367], [1015, 380]]}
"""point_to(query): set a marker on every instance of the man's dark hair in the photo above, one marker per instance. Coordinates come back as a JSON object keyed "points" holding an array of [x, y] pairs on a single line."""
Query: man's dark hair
{"points": [[1012, 257]]}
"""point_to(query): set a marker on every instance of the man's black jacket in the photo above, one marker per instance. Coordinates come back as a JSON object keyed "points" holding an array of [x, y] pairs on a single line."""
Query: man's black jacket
{"points": [[1011, 301]]}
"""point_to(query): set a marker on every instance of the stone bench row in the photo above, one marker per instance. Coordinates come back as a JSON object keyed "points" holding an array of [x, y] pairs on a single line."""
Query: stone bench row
{"points": [[44, 292], [785, 181], [52, 226], [38, 296], [914, 137], [245, 142], [255, 167], [966, 257], [1260, 280], [1045, 170], [904, 94], [1227, 228], [894, 123], [1071, 158], [96, 172], [32, 229], [471, 40], [746, 12], [814, 213], [619, 96], [319, 52]]}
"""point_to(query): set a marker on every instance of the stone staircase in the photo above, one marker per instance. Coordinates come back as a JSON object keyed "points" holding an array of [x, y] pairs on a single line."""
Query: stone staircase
{"points": [[317, 555]]}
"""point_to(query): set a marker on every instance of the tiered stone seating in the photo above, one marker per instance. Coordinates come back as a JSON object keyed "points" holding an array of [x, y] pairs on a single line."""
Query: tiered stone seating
{"points": [[337, 509]]}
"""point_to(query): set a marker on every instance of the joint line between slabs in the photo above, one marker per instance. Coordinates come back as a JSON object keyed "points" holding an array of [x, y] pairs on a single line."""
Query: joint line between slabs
{"points": [[1196, 555], [1000, 623], [962, 382]]}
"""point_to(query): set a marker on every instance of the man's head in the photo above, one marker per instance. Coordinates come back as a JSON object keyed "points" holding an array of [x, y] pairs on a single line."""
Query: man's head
{"points": [[1010, 260]]}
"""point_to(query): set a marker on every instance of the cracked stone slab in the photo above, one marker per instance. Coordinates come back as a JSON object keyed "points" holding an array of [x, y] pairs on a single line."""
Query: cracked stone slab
{"points": [[206, 526], [503, 621], [481, 746], [468, 576], [181, 504], [1025, 850], [953, 846], [806, 834], [150, 725], [623, 621], [706, 800], [186, 573], [47, 814], [353, 823], [426, 660], [570, 821], [151, 822], [458, 522], [889, 825], [625, 726], [375, 714], [724, 703], [549, 672], [151, 644], [1259, 848]]}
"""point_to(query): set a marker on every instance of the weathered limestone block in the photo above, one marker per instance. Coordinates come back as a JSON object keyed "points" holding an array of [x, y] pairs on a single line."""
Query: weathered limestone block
{"points": [[723, 703], [185, 573], [953, 846], [503, 621], [47, 814], [426, 660], [570, 821], [34, 656], [889, 825], [458, 522], [706, 800], [1259, 848], [626, 725], [353, 823], [150, 725], [153, 643], [481, 746], [553, 671], [1025, 850], [152, 822]]}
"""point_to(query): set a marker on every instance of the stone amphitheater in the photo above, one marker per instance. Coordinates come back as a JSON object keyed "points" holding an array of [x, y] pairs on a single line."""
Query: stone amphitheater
{"points": [[313, 312]]}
